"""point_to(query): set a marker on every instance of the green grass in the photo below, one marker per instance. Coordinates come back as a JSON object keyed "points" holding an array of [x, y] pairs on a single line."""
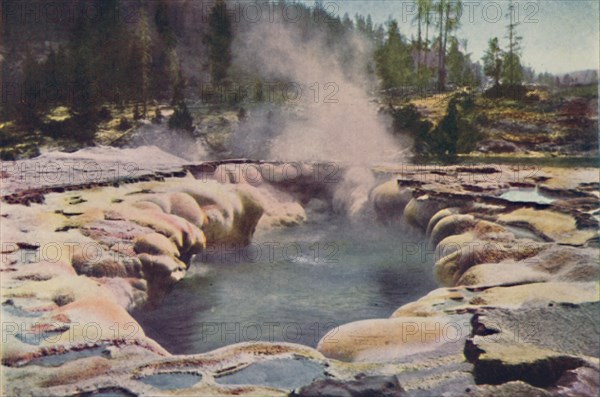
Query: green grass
{"points": [[587, 91]]}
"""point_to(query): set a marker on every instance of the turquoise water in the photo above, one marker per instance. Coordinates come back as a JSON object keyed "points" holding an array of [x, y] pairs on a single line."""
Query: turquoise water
{"points": [[281, 373], [527, 196], [171, 381], [292, 285]]}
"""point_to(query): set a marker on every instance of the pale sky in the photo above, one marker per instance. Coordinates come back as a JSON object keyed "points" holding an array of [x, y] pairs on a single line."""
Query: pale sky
{"points": [[559, 36]]}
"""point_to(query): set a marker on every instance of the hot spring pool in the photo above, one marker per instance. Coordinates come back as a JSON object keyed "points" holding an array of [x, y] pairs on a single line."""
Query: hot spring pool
{"points": [[292, 285]]}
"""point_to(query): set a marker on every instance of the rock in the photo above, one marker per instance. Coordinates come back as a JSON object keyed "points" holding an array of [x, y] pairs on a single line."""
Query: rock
{"points": [[236, 229], [436, 303], [566, 263], [387, 340], [245, 223], [454, 243], [537, 345], [161, 272], [540, 294], [551, 225], [184, 206], [162, 267], [239, 174], [281, 209], [508, 389], [363, 386], [93, 320], [446, 269], [13, 349], [450, 225], [578, 382], [75, 288], [419, 211], [122, 290], [502, 273], [97, 262], [72, 372], [161, 200], [50, 269], [449, 269], [207, 193], [155, 244], [147, 205], [439, 216], [390, 200], [216, 226], [555, 263], [158, 221]]}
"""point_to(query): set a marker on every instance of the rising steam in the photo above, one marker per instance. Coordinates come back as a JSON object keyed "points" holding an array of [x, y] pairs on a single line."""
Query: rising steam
{"points": [[349, 131], [337, 123]]}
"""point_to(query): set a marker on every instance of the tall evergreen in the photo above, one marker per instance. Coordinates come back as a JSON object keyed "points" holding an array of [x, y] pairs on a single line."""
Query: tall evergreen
{"points": [[145, 43], [29, 105], [165, 62], [394, 60], [448, 21], [512, 71], [219, 40], [492, 61]]}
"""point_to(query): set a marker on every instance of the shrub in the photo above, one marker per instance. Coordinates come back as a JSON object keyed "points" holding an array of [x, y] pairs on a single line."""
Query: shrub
{"points": [[124, 124], [516, 92], [456, 132], [182, 118]]}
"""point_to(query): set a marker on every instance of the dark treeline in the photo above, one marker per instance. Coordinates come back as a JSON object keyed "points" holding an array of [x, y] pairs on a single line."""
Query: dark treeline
{"points": [[136, 53], [105, 60]]}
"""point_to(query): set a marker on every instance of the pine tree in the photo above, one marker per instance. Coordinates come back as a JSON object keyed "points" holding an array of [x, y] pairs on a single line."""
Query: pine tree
{"points": [[394, 61], [163, 24], [459, 64], [347, 22], [219, 40], [423, 18], [29, 107], [145, 45], [492, 61], [178, 87], [448, 21], [109, 39], [181, 118], [513, 71], [165, 64]]}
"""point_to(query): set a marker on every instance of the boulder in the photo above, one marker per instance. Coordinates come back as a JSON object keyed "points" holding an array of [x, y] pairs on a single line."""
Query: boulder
{"points": [[538, 345], [184, 206], [161, 272], [387, 340], [450, 225], [389, 201], [438, 217], [98, 262], [419, 211], [155, 244]]}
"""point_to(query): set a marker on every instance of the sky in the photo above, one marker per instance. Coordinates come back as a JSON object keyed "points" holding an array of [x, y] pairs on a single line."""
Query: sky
{"points": [[559, 36]]}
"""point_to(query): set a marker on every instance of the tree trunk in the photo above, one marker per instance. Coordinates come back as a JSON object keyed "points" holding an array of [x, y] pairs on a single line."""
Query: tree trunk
{"points": [[446, 29], [419, 41], [426, 43], [440, 51]]}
